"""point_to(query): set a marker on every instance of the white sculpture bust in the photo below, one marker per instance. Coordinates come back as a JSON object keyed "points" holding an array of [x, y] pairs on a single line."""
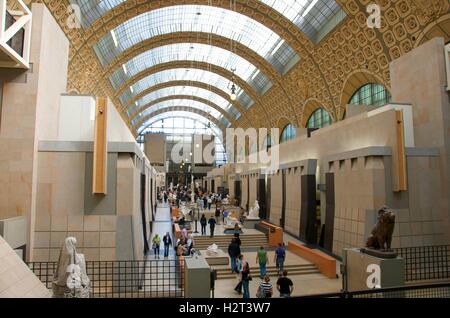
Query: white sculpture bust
{"points": [[212, 250], [253, 214]]}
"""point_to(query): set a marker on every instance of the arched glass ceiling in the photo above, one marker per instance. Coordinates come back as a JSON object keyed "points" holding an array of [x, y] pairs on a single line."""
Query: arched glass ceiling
{"points": [[198, 18], [181, 114], [315, 18], [196, 53], [185, 90], [194, 75], [182, 102]]}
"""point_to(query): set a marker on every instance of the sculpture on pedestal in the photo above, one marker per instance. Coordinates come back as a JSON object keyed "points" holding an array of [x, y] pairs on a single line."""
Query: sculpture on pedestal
{"points": [[212, 250], [253, 214], [379, 242], [70, 279]]}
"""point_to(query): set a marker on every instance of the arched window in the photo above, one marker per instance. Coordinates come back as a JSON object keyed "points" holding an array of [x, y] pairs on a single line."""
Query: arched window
{"points": [[289, 132], [319, 119], [371, 94], [267, 143]]}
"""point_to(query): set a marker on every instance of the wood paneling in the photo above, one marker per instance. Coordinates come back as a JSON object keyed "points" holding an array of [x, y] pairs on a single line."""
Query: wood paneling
{"points": [[100, 147]]}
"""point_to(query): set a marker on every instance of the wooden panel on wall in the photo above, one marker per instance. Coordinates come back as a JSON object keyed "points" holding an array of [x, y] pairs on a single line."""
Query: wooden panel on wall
{"points": [[402, 175], [100, 147], [330, 211], [308, 232]]}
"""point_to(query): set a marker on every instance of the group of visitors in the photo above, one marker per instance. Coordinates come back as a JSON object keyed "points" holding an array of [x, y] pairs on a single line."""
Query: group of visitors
{"points": [[242, 268], [156, 243], [212, 224]]}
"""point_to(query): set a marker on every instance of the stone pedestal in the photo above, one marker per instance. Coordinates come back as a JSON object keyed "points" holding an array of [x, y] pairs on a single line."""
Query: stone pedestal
{"points": [[250, 223], [359, 270], [197, 277], [221, 258]]}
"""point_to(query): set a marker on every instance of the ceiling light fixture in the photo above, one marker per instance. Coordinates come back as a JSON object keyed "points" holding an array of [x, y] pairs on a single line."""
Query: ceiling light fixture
{"points": [[232, 87], [125, 69]]}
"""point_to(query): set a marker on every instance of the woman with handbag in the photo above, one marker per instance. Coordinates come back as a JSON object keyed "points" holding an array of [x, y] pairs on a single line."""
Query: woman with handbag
{"points": [[246, 278], [265, 289]]}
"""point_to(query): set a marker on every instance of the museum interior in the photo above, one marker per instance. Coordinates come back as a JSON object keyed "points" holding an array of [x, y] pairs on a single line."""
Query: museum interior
{"points": [[224, 148]]}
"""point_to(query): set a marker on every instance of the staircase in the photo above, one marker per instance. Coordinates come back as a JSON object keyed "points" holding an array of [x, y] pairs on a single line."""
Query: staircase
{"points": [[293, 270], [247, 240]]}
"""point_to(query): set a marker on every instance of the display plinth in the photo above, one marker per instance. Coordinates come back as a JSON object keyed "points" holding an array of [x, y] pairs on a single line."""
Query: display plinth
{"points": [[250, 223], [358, 270], [221, 258]]}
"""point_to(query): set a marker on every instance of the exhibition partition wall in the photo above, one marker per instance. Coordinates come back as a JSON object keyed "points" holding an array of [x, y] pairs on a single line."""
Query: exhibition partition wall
{"points": [[276, 197], [244, 191]]}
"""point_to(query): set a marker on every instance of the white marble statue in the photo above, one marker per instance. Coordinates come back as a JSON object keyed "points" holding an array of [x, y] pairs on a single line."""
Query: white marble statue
{"points": [[70, 279], [253, 214], [212, 250], [226, 200], [192, 197]]}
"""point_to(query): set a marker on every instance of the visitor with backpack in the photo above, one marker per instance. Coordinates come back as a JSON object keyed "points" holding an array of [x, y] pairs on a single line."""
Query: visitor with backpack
{"points": [[234, 251], [167, 242]]}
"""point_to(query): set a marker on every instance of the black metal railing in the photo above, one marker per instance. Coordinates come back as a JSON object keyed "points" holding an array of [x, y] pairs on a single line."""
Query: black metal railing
{"points": [[439, 290], [125, 279], [426, 262]]}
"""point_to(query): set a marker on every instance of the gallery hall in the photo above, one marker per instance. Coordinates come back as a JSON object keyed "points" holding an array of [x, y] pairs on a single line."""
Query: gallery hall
{"points": [[224, 149]]}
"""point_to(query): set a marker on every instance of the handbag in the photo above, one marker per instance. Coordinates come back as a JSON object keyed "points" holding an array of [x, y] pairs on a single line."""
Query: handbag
{"points": [[261, 293]]}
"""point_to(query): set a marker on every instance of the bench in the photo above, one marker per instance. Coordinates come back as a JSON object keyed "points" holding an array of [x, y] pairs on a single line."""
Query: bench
{"points": [[274, 233], [325, 263]]}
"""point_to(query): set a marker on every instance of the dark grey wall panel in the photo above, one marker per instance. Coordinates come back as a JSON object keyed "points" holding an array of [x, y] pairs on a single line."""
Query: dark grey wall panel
{"points": [[124, 238], [101, 204]]}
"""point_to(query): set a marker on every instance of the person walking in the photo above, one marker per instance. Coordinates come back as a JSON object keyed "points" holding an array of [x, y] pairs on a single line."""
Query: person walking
{"points": [[285, 285], [209, 202], [234, 251], [203, 223], [265, 289], [261, 259], [167, 242], [246, 278], [165, 197], [212, 225], [205, 202], [239, 265], [156, 242], [280, 255], [217, 215]]}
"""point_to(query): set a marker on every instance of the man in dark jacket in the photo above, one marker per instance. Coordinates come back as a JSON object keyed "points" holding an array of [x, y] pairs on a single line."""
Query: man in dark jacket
{"points": [[234, 251], [212, 225], [167, 242]]}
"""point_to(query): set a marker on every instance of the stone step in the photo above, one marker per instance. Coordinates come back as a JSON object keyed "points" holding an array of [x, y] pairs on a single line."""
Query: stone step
{"points": [[271, 272]]}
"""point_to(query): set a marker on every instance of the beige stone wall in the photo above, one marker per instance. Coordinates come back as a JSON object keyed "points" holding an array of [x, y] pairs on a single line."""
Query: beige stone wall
{"points": [[359, 190], [276, 197], [60, 211], [419, 78], [155, 148], [293, 201], [16, 279], [29, 112]]}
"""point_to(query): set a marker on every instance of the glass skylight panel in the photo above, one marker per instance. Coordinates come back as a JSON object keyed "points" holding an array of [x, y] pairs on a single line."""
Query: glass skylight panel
{"points": [[189, 74], [92, 10], [191, 18], [179, 114], [174, 103], [190, 91], [315, 18], [190, 52]]}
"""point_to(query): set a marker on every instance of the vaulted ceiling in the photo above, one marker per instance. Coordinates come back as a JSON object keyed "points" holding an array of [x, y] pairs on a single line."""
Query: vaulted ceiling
{"points": [[155, 57]]}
